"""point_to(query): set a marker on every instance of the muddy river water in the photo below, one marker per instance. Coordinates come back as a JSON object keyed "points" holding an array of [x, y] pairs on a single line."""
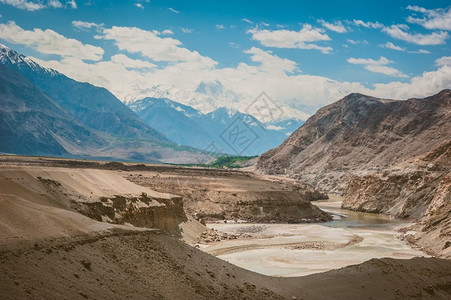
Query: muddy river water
{"points": [[302, 249]]}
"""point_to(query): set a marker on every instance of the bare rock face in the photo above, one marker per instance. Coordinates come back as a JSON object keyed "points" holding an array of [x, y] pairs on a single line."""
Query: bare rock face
{"points": [[140, 211], [418, 190], [360, 134], [225, 195]]}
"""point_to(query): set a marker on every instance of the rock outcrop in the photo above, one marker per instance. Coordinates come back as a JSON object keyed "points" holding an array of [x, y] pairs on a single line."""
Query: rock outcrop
{"points": [[98, 194], [217, 195], [418, 190], [357, 135]]}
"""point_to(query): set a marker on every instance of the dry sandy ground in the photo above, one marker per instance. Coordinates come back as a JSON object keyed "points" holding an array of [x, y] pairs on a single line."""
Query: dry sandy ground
{"points": [[148, 265], [48, 251]]}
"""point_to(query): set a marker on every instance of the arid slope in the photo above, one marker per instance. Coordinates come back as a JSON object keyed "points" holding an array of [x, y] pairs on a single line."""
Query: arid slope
{"points": [[48, 250], [360, 134], [419, 190]]}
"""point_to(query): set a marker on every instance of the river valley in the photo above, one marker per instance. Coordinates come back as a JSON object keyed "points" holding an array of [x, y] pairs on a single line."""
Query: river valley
{"points": [[290, 250]]}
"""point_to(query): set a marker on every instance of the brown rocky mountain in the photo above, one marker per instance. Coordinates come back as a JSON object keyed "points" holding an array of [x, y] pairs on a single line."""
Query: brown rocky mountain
{"points": [[358, 135], [419, 189], [384, 156]]}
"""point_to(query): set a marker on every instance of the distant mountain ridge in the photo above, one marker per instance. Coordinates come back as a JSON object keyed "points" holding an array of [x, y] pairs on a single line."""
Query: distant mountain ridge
{"points": [[111, 130], [188, 126], [358, 134], [94, 106], [212, 95], [30, 120]]}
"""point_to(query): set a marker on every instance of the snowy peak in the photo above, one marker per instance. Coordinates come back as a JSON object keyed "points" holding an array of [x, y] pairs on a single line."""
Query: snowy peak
{"points": [[11, 57], [214, 88], [150, 102]]}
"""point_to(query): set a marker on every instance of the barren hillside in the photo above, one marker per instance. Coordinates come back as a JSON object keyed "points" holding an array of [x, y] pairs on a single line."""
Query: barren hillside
{"points": [[360, 134]]}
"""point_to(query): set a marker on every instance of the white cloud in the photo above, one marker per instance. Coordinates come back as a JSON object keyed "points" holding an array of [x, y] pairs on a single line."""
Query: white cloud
{"points": [[373, 25], [443, 61], [81, 25], [302, 39], [32, 5], [49, 42], [173, 10], [434, 38], [131, 63], [139, 5], [337, 26], [433, 18], [243, 79], [187, 30], [277, 76], [72, 4], [220, 26], [270, 62], [377, 66], [54, 4], [247, 20], [167, 32], [390, 45], [354, 42], [424, 85], [152, 45], [420, 51]]}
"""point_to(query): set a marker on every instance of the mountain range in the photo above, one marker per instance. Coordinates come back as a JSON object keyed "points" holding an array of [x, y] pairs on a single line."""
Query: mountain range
{"points": [[212, 95], [46, 113], [98, 125], [187, 126]]}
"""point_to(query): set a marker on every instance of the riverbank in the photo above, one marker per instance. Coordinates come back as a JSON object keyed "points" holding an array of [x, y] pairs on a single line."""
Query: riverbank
{"points": [[292, 250]]}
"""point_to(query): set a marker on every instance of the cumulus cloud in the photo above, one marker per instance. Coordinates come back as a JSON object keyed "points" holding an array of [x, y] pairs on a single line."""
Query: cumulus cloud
{"points": [[245, 79], [354, 42], [184, 69], [72, 4], [167, 32], [431, 18], [373, 25], [139, 5], [270, 62], [424, 85], [390, 45], [54, 4], [152, 45], [220, 26], [32, 5], [49, 42], [398, 32], [131, 63], [82, 25], [377, 66], [443, 61], [187, 30], [302, 39], [336, 26]]}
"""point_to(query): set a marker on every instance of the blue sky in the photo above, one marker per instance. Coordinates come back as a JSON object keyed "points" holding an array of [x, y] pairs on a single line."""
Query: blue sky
{"points": [[302, 53]]}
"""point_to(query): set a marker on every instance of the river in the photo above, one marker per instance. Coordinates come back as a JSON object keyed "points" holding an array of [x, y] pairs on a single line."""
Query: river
{"points": [[302, 249]]}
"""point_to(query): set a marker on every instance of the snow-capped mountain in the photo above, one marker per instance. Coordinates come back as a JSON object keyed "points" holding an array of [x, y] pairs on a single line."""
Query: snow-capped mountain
{"points": [[224, 130], [209, 96], [43, 112]]}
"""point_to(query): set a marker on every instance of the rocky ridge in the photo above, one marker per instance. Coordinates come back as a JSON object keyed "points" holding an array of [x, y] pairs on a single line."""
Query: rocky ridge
{"points": [[358, 135]]}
